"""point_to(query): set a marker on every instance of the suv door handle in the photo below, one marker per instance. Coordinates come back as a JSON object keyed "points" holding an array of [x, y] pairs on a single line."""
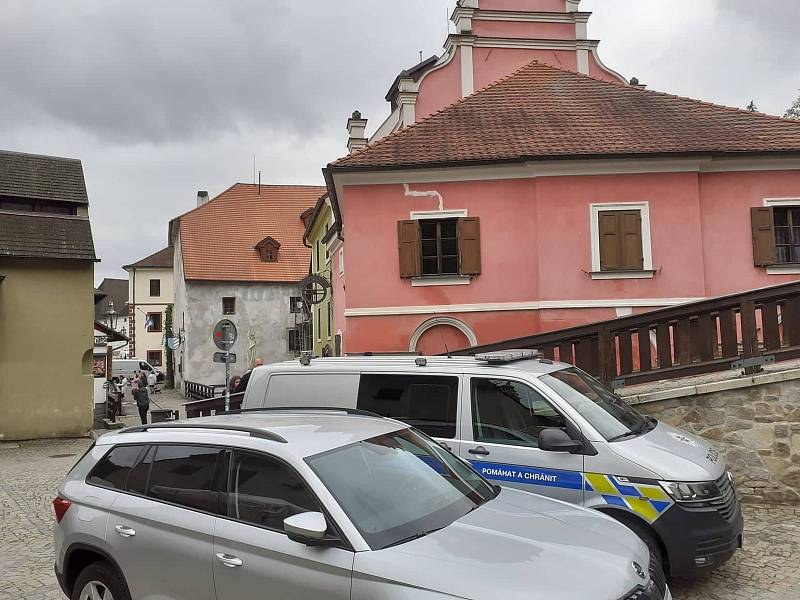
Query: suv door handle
{"points": [[229, 561], [480, 450], [124, 531]]}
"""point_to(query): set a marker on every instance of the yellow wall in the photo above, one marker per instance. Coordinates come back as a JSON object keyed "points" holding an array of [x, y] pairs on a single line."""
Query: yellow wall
{"points": [[322, 325], [46, 340]]}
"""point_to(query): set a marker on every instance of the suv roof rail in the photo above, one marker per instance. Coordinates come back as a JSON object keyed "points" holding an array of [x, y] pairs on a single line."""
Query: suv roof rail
{"points": [[254, 432], [349, 411]]}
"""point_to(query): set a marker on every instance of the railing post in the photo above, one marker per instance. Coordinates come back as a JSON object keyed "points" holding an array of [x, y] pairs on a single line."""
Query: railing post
{"points": [[606, 353], [749, 333]]}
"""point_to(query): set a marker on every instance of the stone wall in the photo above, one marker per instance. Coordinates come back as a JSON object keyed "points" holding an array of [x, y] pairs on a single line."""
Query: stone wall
{"points": [[757, 428]]}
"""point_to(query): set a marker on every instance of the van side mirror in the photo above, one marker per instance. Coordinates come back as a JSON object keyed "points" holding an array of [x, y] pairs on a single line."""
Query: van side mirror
{"points": [[557, 440], [306, 528]]}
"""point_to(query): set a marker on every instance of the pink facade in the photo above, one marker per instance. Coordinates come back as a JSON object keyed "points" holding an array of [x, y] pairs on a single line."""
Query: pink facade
{"points": [[536, 249]]}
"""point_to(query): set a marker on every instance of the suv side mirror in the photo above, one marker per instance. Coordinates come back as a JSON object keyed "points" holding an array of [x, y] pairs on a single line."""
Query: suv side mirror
{"points": [[306, 528], [557, 440]]}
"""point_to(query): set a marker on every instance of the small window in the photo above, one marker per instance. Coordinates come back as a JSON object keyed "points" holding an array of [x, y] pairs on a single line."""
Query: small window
{"points": [[113, 469], [425, 402], [154, 357], [184, 475], [330, 319], [229, 306], [155, 288], [439, 246], [293, 340], [154, 322], [787, 234], [296, 305], [264, 492], [341, 261], [512, 413]]}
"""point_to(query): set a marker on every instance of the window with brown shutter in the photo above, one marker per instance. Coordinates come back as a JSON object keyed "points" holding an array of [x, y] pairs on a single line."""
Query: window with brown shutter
{"points": [[620, 240], [762, 221], [433, 247]]}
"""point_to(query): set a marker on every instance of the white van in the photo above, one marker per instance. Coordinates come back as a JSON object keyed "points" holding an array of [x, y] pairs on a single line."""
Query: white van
{"points": [[127, 367], [545, 427]]}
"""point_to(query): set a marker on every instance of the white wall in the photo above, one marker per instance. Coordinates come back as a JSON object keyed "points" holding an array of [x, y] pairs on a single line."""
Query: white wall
{"points": [[143, 303]]}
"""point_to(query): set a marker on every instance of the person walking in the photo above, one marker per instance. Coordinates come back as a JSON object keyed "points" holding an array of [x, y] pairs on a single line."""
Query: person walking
{"points": [[152, 378], [142, 400]]}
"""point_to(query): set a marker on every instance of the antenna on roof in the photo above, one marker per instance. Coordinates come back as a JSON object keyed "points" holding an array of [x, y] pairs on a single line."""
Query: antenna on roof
{"points": [[420, 56], [259, 183]]}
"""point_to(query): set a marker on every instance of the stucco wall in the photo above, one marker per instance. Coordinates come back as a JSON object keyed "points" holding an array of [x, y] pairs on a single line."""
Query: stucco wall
{"points": [[46, 341], [261, 306], [139, 294]]}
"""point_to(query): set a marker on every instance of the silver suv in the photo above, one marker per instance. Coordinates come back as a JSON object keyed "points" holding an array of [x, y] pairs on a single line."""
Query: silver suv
{"points": [[322, 503]]}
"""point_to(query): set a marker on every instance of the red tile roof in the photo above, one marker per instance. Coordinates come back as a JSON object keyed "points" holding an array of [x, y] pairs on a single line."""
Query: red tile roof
{"points": [[543, 112], [218, 239], [158, 260]]}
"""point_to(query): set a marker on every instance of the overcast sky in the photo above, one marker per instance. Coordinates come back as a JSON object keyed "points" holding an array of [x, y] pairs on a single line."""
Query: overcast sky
{"points": [[161, 99]]}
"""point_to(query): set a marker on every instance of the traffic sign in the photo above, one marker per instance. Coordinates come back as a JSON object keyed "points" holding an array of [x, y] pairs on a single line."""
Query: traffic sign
{"points": [[225, 334], [225, 357]]}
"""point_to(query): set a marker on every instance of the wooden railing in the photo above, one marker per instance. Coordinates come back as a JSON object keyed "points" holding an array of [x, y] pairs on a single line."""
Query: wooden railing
{"points": [[738, 331], [211, 406], [199, 391]]}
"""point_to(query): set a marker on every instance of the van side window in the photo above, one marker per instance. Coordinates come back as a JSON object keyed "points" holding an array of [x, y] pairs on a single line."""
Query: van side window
{"points": [[185, 475], [425, 402], [508, 412], [113, 469]]}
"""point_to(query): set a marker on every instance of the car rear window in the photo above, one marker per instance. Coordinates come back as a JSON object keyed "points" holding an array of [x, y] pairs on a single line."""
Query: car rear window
{"points": [[113, 469], [185, 475]]}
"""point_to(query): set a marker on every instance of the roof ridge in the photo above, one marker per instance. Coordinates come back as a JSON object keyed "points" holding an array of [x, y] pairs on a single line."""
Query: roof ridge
{"points": [[32, 154], [399, 132]]}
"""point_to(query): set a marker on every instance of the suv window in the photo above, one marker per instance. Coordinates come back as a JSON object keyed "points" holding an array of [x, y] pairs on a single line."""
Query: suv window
{"points": [[113, 469], [425, 402], [185, 475], [508, 412], [264, 492]]}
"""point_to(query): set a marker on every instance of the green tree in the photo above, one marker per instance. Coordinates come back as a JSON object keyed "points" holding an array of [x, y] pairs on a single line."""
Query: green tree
{"points": [[170, 376], [752, 106], [794, 111]]}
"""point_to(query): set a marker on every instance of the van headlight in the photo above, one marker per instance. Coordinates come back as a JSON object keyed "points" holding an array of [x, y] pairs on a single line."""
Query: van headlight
{"points": [[691, 492]]}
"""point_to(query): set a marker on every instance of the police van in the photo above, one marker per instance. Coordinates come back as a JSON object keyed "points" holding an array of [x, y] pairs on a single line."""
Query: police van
{"points": [[545, 427]]}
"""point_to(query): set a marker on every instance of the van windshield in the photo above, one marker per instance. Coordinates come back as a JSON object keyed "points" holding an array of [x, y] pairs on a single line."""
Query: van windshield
{"points": [[400, 486], [613, 418]]}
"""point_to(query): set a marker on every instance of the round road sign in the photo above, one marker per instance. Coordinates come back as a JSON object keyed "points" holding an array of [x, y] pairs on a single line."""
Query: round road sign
{"points": [[225, 334]]}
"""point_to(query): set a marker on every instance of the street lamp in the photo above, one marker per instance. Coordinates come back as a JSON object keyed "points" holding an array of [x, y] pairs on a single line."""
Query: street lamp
{"points": [[111, 317]]}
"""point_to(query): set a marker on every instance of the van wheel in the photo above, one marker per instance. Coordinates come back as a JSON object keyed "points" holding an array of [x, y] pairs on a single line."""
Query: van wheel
{"points": [[99, 581], [658, 567]]}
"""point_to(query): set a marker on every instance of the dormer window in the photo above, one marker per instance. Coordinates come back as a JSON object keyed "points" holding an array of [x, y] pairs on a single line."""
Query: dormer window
{"points": [[268, 249]]}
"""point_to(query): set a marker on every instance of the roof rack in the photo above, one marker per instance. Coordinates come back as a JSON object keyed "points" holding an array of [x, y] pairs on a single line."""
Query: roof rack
{"points": [[506, 356], [349, 411], [254, 432]]}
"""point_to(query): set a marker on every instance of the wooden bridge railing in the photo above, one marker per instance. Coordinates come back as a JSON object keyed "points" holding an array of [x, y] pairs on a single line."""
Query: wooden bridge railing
{"points": [[211, 406], [738, 331], [200, 391]]}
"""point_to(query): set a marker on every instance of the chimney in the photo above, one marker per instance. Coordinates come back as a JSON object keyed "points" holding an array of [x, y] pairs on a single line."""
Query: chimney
{"points": [[202, 198], [356, 132], [635, 83]]}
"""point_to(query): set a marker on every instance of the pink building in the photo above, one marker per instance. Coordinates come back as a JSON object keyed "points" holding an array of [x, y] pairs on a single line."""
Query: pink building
{"points": [[556, 196]]}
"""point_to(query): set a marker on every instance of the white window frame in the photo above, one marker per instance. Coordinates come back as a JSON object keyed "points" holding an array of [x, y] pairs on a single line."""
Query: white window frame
{"points": [[791, 269], [439, 280], [647, 271], [341, 261]]}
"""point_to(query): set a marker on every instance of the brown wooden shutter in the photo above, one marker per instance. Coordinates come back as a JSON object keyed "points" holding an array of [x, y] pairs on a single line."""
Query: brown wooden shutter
{"points": [[408, 243], [609, 228], [763, 224], [631, 239], [469, 245]]}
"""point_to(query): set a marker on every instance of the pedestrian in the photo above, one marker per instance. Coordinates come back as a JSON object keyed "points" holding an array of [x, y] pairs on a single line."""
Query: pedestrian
{"points": [[246, 377], [234, 385], [151, 381], [142, 401]]}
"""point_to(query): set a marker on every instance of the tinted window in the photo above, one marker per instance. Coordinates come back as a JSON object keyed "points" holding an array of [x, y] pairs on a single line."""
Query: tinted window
{"points": [[425, 402], [113, 469], [507, 412], [264, 492], [137, 481], [185, 475]]}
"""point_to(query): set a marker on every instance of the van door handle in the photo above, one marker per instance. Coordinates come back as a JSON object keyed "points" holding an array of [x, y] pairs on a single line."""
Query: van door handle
{"points": [[124, 531], [229, 561], [480, 450]]}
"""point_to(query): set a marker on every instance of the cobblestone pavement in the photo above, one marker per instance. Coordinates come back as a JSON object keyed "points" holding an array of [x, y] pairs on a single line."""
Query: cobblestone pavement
{"points": [[767, 569]]}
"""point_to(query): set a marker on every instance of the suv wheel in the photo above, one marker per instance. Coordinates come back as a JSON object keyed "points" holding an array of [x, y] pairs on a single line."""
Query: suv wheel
{"points": [[99, 581]]}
